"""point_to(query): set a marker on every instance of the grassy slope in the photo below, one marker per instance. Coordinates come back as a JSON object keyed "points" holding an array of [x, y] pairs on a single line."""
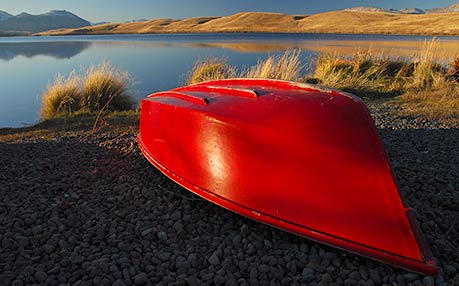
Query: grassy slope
{"points": [[348, 22]]}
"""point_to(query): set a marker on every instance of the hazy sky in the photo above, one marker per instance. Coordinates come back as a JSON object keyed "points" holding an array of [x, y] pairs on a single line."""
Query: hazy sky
{"points": [[123, 10]]}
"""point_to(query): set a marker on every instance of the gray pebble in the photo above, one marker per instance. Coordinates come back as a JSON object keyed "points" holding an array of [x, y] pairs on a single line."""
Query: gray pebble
{"points": [[162, 236], [41, 276], [141, 279], [106, 282], [428, 281], [193, 260], [48, 248], [263, 268], [17, 283], [213, 259], [410, 277], [308, 271], [114, 268], [450, 270], [119, 282], [219, 280]]}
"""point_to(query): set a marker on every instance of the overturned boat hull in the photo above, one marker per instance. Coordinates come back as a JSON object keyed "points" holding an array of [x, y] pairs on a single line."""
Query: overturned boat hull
{"points": [[304, 159]]}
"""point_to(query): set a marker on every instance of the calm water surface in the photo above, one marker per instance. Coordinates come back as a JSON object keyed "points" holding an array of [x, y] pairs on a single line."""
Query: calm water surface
{"points": [[160, 62]]}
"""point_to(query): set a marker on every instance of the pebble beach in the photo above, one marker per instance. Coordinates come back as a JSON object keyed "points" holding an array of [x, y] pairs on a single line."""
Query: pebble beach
{"points": [[88, 209]]}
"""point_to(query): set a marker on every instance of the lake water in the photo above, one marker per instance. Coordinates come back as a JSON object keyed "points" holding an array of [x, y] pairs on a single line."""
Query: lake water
{"points": [[160, 62]]}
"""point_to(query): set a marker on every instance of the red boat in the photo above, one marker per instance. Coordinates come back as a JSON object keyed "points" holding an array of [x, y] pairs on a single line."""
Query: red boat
{"points": [[302, 158]]}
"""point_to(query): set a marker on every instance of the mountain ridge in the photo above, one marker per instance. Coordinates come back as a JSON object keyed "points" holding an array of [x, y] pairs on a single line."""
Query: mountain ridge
{"points": [[25, 22], [454, 8], [336, 22], [4, 15]]}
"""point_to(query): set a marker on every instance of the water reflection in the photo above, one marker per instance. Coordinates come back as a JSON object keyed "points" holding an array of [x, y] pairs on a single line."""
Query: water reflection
{"points": [[57, 50], [446, 49]]}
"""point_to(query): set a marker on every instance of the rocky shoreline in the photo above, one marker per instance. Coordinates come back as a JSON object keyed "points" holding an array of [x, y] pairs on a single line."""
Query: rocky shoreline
{"points": [[88, 209]]}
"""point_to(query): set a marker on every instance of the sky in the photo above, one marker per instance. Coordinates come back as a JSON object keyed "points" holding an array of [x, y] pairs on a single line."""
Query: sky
{"points": [[123, 10]]}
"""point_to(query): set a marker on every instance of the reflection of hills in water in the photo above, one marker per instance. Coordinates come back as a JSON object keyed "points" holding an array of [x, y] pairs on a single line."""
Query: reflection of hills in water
{"points": [[446, 49], [58, 50]]}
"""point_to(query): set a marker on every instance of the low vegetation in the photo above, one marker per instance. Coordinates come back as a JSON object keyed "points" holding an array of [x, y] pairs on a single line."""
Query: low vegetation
{"points": [[422, 83], [287, 66], [61, 97], [211, 69], [100, 88]]}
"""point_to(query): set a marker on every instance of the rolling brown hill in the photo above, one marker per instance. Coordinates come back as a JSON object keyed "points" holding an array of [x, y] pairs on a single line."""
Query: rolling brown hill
{"points": [[341, 22]]}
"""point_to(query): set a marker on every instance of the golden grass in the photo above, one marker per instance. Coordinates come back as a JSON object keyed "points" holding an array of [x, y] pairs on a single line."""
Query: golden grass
{"points": [[63, 96], [438, 103], [340, 22], [211, 69], [433, 88], [106, 88], [427, 71], [287, 66], [424, 84], [363, 73], [101, 88]]}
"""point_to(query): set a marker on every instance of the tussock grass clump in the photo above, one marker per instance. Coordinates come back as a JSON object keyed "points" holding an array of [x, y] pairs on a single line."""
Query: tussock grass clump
{"points": [[363, 72], [63, 96], [211, 69], [287, 66], [100, 88], [427, 72], [433, 89], [106, 88]]}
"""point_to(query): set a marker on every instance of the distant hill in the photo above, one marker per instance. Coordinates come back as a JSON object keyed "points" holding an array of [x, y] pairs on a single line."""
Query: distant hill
{"points": [[340, 22], [412, 11], [99, 23], [394, 11], [450, 9], [4, 16], [371, 9], [37, 23]]}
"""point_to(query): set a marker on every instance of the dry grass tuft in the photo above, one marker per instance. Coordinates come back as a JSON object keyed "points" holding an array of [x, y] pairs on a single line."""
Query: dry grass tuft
{"points": [[63, 96], [427, 70], [106, 88], [424, 83], [211, 69], [433, 89], [287, 66], [362, 72], [101, 88]]}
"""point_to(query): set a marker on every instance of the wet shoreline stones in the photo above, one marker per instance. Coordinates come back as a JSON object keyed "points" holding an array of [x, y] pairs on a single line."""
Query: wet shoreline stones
{"points": [[90, 210]]}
